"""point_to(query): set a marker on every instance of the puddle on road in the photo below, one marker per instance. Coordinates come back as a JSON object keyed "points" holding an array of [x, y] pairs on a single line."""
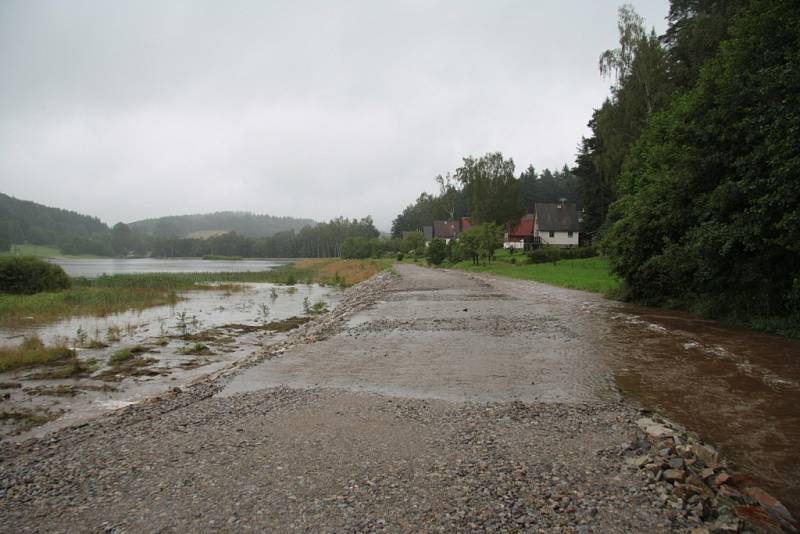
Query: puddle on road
{"points": [[230, 325]]}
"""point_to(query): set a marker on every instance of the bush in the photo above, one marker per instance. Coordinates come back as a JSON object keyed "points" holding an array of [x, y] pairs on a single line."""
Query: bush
{"points": [[553, 254], [27, 275], [437, 252], [400, 256], [356, 248]]}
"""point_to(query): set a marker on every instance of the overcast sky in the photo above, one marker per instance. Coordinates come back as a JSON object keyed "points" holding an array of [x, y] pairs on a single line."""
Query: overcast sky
{"points": [[129, 110]]}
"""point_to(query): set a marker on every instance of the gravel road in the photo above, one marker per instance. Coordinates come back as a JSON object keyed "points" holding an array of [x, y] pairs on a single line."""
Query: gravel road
{"points": [[430, 401]]}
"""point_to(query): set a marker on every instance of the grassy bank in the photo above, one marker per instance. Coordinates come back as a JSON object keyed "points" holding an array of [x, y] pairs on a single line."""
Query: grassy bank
{"points": [[587, 274], [117, 293]]}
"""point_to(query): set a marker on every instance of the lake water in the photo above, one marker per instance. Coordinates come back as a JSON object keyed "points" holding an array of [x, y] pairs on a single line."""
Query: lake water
{"points": [[92, 268]]}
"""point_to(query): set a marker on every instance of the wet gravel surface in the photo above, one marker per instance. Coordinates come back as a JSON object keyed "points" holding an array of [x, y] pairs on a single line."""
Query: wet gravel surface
{"points": [[347, 455]]}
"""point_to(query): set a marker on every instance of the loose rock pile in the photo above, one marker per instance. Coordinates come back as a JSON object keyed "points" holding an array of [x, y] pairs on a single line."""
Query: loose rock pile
{"points": [[690, 477], [355, 299]]}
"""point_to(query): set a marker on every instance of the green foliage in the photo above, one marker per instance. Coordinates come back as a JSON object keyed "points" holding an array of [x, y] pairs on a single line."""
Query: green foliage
{"points": [[28, 275], [469, 246], [22, 221], [436, 252], [709, 216], [480, 242], [414, 242], [554, 254], [357, 248], [491, 189], [122, 242], [125, 353], [547, 187], [31, 352], [242, 223], [641, 86]]}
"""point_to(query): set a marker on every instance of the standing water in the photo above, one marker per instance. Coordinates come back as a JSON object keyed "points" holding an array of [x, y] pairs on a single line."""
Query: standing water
{"points": [[130, 356], [92, 268]]}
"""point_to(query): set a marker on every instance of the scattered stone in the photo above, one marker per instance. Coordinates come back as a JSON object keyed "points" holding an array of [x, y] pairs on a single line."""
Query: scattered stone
{"points": [[705, 454], [676, 463], [766, 500], [674, 475], [721, 479]]}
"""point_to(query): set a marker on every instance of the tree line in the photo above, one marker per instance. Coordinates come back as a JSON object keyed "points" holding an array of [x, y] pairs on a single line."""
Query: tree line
{"points": [[73, 233], [486, 189], [692, 172], [323, 240]]}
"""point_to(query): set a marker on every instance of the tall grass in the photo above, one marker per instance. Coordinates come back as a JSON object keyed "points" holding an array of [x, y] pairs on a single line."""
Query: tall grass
{"points": [[32, 352], [337, 272]]}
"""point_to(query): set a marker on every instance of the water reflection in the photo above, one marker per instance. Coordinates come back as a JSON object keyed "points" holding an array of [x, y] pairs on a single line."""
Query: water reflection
{"points": [[92, 268]]}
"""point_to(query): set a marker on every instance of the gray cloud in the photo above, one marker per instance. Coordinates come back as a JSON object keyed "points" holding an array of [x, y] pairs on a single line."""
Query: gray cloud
{"points": [[136, 109]]}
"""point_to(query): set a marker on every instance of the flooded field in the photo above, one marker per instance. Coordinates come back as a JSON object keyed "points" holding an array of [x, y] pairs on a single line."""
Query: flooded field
{"points": [[127, 357]]}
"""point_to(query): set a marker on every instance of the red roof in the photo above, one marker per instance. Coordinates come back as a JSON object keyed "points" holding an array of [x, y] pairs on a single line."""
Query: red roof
{"points": [[524, 228], [445, 229]]}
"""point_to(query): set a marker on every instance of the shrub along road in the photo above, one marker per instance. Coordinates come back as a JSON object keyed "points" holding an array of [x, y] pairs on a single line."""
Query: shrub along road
{"points": [[428, 401]]}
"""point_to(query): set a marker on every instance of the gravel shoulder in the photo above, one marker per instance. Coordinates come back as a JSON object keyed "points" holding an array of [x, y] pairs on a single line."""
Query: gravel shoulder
{"points": [[430, 401]]}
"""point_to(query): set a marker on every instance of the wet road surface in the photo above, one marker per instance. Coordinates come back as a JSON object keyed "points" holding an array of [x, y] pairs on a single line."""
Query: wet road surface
{"points": [[459, 337]]}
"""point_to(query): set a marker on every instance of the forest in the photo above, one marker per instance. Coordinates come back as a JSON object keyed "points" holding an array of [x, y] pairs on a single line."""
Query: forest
{"points": [[691, 172], [22, 222]]}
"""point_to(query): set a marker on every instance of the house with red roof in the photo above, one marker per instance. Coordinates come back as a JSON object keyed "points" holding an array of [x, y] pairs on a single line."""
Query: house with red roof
{"points": [[520, 236], [549, 224]]}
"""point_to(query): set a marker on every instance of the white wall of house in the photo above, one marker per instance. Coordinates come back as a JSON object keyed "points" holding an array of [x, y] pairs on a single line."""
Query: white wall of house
{"points": [[560, 239], [514, 244]]}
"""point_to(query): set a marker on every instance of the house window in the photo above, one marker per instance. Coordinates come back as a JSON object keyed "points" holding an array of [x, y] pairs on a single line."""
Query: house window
{"points": [[569, 234], [552, 234]]}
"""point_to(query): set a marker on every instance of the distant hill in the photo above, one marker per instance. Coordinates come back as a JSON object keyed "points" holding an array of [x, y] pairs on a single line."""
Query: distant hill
{"points": [[23, 221], [209, 224]]}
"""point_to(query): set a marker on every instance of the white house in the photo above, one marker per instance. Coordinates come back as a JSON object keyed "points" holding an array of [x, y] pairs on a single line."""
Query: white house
{"points": [[556, 224]]}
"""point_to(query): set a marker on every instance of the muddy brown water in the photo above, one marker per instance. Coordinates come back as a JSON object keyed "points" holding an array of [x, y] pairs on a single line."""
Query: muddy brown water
{"points": [[737, 388]]}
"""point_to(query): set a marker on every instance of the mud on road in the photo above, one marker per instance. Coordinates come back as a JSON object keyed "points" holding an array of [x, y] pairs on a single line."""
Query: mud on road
{"points": [[437, 403]]}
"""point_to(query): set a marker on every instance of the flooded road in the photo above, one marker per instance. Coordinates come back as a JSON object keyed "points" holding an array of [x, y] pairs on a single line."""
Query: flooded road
{"points": [[737, 388], [457, 337]]}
